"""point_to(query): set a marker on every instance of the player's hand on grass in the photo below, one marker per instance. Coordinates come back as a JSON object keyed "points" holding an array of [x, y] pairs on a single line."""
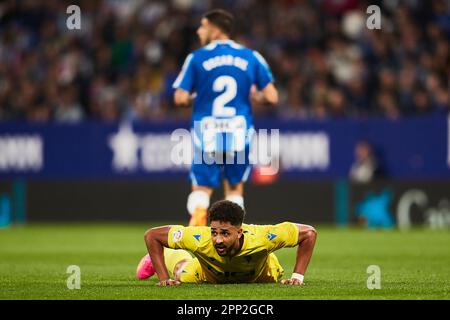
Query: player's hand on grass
{"points": [[168, 282], [292, 282]]}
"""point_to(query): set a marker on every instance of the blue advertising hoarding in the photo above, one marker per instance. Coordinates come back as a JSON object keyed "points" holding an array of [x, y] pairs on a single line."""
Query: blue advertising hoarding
{"points": [[406, 148]]}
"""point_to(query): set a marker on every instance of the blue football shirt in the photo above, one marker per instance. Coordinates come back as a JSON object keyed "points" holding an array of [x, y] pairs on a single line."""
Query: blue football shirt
{"points": [[221, 74]]}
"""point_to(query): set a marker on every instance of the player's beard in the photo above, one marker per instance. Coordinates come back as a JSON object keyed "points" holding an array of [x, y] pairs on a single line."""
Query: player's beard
{"points": [[205, 40]]}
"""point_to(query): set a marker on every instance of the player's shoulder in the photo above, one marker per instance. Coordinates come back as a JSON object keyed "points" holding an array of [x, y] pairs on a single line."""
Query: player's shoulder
{"points": [[198, 56], [268, 231], [258, 57], [190, 233], [196, 229], [209, 49], [191, 228], [263, 227], [200, 234], [256, 231]]}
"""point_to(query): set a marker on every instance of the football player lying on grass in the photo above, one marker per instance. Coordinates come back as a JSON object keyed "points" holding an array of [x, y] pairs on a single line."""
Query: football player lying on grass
{"points": [[227, 251]]}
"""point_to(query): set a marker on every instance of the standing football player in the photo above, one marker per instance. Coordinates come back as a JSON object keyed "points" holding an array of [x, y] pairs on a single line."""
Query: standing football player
{"points": [[221, 79]]}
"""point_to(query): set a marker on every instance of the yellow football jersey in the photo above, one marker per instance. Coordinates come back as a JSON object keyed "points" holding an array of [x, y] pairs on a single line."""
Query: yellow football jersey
{"points": [[253, 263]]}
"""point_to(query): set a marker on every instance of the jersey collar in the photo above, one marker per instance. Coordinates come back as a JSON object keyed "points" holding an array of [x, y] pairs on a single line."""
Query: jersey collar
{"points": [[213, 44], [227, 41]]}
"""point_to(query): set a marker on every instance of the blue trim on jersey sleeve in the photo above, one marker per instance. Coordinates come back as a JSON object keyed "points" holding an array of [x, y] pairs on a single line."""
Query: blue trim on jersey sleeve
{"points": [[263, 75], [185, 79]]}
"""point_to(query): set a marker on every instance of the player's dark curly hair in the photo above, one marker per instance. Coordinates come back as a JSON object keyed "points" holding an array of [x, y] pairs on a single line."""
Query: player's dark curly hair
{"points": [[223, 19], [226, 211]]}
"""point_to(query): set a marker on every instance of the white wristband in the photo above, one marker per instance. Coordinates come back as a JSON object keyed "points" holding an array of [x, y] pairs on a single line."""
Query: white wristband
{"points": [[297, 276]]}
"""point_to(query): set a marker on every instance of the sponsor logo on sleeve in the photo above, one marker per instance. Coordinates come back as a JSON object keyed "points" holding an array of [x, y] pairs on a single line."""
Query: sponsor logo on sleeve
{"points": [[177, 235]]}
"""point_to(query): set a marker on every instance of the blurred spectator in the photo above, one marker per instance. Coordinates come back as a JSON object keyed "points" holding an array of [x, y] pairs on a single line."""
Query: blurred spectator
{"points": [[68, 108], [365, 166], [421, 103], [337, 105], [387, 106], [123, 61]]}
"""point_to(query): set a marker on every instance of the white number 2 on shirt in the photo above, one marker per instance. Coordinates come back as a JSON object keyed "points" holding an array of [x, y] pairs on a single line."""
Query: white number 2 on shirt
{"points": [[220, 109]]}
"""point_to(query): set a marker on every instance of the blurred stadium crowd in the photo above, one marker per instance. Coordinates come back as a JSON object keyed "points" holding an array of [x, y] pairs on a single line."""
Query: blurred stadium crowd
{"points": [[122, 62]]}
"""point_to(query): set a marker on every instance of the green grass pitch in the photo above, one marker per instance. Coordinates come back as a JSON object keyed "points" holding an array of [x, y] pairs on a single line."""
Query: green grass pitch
{"points": [[34, 260]]}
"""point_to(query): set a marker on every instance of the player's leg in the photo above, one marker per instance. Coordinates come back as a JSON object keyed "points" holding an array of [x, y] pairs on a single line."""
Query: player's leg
{"points": [[234, 193], [197, 205], [172, 259], [236, 174], [204, 178], [189, 272]]}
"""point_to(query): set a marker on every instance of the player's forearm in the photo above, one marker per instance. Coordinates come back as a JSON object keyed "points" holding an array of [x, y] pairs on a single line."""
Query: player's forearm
{"points": [[270, 94], [156, 251], [307, 240], [261, 98], [272, 99]]}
